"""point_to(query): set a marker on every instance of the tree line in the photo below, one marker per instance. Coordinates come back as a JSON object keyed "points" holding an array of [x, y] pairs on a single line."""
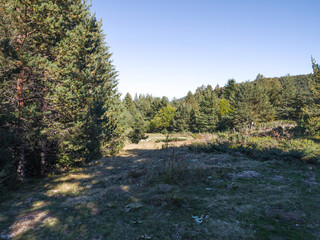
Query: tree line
{"points": [[234, 106]]}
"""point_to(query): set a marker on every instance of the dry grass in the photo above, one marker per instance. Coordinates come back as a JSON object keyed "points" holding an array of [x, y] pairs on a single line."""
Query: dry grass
{"points": [[147, 192]]}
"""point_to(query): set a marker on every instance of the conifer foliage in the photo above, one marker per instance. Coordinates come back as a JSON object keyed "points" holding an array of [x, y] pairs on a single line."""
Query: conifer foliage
{"points": [[58, 97]]}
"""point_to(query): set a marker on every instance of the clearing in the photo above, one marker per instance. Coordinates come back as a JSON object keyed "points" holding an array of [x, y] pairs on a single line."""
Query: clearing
{"points": [[158, 190]]}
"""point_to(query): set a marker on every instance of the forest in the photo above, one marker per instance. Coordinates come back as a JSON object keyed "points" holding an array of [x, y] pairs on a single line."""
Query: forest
{"points": [[234, 106], [61, 110]]}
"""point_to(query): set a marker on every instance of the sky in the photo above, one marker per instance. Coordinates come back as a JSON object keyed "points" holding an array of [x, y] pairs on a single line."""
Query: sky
{"points": [[170, 47]]}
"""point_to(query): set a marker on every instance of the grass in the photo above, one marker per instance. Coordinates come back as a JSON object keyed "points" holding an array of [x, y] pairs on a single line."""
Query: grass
{"points": [[263, 148], [176, 139], [170, 193]]}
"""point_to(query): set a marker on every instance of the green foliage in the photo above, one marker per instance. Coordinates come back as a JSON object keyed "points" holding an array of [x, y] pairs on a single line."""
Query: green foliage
{"points": [[250, 104], [310, 125], [236, 105], [138, 131], [315, 80], [58, 94], [162, 121], [176, 139], [310, 121], [229, 89], [264, 148], [287, 99], [224, 107], [208, 111]]}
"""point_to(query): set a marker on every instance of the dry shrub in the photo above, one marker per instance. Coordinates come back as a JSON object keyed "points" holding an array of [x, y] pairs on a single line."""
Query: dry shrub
{"points": [[175, 170]]}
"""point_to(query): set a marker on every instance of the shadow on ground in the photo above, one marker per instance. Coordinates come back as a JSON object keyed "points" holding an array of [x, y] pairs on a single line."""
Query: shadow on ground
{"points": [[167, 194]]}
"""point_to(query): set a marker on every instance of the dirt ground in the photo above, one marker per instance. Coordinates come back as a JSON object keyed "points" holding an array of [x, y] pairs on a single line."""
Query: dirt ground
{"points": [[155, 190]]}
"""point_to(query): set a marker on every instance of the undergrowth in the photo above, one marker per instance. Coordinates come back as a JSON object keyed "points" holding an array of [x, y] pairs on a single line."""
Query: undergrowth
{"points": [[263, 148], [175, 139]]}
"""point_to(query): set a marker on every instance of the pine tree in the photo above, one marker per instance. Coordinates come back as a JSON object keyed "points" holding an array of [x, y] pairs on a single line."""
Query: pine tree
{"points": [[85, 95], [250, 103], [58, 85], [181, 121], [208, 109], [315, 81], [273, 87], [128, 102], [138, 130], [286, 107], [26, 50], [194, 121], [229, 89], [310, 121]]}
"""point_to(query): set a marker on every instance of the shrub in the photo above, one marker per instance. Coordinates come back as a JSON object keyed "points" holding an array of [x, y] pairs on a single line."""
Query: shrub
{"points": [[263, 148], [136, 135]]}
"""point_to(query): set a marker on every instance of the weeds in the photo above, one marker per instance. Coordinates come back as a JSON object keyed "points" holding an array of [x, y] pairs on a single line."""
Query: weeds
{"points": [[176, 139], [263, 148]]}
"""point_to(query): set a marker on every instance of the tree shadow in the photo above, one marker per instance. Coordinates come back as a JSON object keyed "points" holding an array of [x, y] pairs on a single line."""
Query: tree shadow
{"points": [[87, 203], [127, 197]]}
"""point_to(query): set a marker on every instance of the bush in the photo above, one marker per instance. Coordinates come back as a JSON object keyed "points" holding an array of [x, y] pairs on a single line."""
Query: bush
{"points": [[176, 139], [310, 125], [263, 148], [136, 135]]}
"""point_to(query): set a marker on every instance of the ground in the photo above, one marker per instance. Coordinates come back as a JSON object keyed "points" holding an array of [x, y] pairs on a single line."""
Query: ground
{"points": [[155, 190]]}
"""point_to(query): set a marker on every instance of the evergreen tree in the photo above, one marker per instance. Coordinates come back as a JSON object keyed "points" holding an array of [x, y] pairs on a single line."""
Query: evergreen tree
{"points": [[310, 121], [58, 85], [128, 103], [85, 91], [130, 111], [273, 87], [26, 51], [286, 106], [250, 103], [138, 130], [194, 121], [208, 109], [181, 121], [229, 89], [315, 81], [191, 100]]}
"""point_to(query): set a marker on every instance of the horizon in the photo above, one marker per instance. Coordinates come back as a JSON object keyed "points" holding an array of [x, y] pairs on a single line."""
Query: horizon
{"points": [[172, 47]]}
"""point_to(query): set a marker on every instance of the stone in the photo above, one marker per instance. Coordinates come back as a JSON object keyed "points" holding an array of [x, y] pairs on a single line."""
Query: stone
{"points": [[165, 187]]}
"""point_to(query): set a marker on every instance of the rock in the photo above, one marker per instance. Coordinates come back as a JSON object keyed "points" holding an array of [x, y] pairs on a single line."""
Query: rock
{"points": [[279, 213], [278, 178], [5, 237], [145, 236], [131, 206], [97, 237], [29, 200], [310, 182], [165, 187], [247, 174], [239, 154]]}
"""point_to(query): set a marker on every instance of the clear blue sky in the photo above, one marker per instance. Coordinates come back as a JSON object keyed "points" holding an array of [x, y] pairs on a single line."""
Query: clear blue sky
{"points": [[168, 47]]}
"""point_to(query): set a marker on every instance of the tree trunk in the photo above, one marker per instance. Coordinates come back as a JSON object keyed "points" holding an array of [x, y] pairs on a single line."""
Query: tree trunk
{"points": [[43, 156], [20, 104], [44, 137], [22, 163]]}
